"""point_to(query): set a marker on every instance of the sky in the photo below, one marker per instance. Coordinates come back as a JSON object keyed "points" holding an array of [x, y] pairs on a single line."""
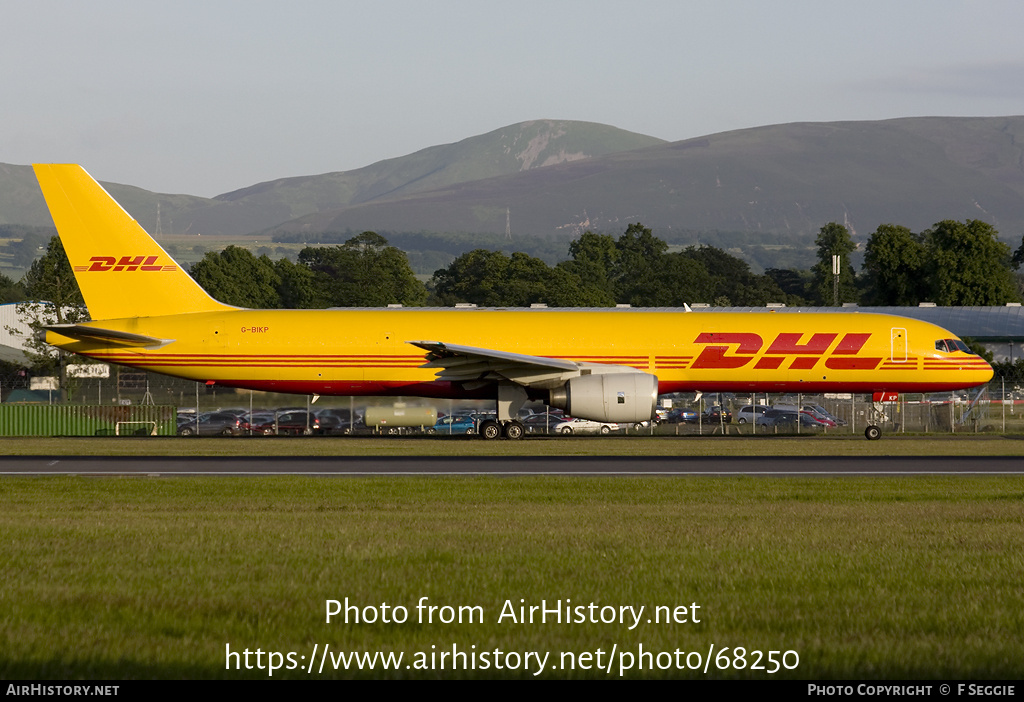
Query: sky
{"points": [[205, 97]]}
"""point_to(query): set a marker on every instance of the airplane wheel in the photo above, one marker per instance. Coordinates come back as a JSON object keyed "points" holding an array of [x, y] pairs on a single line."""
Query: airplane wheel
{"points": [[490, 429], [514, 430], [873, 433]]}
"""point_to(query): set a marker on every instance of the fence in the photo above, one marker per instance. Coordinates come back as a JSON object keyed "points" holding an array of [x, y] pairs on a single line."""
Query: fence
{"points": [[999, 407], [86, 420], [992, 408]]}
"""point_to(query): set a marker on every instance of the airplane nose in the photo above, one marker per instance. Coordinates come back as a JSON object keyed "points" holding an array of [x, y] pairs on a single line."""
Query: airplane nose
{"points": [[983, 372]]}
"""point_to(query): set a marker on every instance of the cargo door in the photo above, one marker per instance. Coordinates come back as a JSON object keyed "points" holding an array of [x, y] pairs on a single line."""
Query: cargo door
{"points": [[899, 345]]}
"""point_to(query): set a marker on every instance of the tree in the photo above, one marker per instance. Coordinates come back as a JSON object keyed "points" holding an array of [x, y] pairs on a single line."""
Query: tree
{"points": [[730, 280], [479, 277], [594, 257], [54, 298], [566, 289], [492, 279], [297, 289], [634, 272], [680, 280], [896, 264], [236, 277], [833, 240], [364, 272], [10, 291], [970, 266], [792, 283], [526, 280]]}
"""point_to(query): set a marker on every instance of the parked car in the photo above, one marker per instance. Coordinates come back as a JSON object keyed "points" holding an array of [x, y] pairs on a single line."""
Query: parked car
{"points": [[716, 415], [293, 422], [787, 420], [816, 412], [750, 413], [330, 423], [820, 412], [259, 418], [542, 423], [809, 420], [335, 421], [680, 415], [774, 417], [453, 425], [213, 424], [584, 426], [823, 421]]}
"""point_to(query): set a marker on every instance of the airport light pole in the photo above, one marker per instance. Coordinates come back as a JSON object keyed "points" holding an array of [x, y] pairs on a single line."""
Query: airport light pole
{"points": [[836, 258]]}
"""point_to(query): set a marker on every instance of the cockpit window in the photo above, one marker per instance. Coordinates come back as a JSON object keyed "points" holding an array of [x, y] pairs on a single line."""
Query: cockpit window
{"points": [[950, 345]]}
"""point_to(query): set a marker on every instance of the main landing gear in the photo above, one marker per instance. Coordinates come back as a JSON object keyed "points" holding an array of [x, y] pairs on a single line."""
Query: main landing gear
{"points": [[873, 433], [511, 397], [493, 429]]}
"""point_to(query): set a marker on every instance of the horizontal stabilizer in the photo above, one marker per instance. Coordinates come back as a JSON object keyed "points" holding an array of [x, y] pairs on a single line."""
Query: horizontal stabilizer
{"points": [[107, 336]]}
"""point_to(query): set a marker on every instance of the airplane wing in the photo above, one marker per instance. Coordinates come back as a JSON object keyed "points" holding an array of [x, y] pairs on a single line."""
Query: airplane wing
{"points": [[600, 391], [112, 337], [467, 363]]}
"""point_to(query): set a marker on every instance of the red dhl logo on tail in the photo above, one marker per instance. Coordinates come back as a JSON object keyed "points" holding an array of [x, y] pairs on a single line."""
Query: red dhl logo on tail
{"points": [[125, 263], [786, 345]]}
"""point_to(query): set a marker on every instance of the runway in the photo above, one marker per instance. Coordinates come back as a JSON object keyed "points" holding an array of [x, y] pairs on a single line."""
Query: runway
{"points": [[157, 466]]}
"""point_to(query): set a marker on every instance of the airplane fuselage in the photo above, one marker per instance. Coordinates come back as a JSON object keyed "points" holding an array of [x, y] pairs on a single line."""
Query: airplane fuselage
{"points": [[365, 351]]}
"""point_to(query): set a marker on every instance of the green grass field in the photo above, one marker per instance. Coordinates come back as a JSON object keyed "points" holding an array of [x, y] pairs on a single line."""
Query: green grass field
{"points": [[858, 578], [833, 445]]}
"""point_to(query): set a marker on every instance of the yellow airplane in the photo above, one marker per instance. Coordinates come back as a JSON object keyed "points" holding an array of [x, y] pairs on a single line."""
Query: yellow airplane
{"points": [[606, 365]]}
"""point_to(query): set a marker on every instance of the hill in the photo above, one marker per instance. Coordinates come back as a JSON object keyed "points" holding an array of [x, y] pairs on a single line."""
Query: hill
{"points": [[21, 202], [512, 149], [773, 185], [779, 180]]}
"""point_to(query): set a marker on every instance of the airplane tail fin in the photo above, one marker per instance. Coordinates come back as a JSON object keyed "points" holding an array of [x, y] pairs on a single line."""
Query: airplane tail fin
{"points": [[120, 269]]}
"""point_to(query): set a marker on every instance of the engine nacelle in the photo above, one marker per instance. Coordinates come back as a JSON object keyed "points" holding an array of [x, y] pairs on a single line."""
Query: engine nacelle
{"points": [[609, 397]]}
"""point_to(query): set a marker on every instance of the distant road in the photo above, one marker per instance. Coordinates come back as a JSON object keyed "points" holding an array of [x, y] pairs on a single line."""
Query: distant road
{"points": [[490, 465]]}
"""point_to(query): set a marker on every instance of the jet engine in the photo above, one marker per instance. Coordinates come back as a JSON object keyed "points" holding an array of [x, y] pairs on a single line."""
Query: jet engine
{"points": [[608, 397]]}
